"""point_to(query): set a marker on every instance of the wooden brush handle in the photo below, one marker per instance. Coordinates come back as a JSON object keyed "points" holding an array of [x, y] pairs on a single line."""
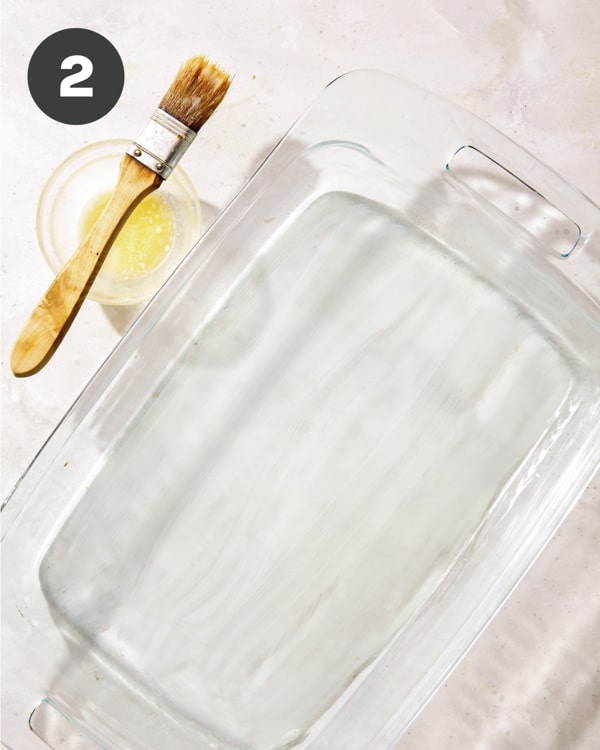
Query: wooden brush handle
{"points": [[55, 312]]}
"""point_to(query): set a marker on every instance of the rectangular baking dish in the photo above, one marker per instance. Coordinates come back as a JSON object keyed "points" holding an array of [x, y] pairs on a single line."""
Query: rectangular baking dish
{"points": [[323, 456]]}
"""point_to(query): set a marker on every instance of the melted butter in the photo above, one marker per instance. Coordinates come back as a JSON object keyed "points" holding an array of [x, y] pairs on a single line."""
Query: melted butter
{"points": [[142, 244]]}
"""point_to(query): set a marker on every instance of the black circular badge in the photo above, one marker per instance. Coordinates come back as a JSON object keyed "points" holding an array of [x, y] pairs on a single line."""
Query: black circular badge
{"points": [[75, 76]]}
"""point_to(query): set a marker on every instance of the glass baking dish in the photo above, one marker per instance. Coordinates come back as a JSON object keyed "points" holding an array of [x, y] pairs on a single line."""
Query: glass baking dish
{"points": [[324, 454]]}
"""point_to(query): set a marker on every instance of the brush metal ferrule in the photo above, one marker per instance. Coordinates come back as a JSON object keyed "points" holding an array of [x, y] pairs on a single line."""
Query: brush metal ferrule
{"points": [[162, 143]]}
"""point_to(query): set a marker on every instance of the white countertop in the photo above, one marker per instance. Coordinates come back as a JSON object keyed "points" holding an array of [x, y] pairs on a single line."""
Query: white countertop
{"points": [[529, 67]]}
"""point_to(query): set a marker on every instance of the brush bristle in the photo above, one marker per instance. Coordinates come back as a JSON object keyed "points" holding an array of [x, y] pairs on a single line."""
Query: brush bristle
{"points": [[196, 92]]}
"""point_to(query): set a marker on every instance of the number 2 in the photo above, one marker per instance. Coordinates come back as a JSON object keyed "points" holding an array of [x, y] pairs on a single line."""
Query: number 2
{"points": [[67, 83]]}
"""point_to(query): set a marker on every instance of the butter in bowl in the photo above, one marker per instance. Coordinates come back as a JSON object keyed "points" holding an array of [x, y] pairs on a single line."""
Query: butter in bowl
{"points": [[158, 234]]}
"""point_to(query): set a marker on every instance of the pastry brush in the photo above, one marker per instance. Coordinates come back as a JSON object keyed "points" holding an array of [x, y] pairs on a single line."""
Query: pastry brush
{"points": [[196, 91]]}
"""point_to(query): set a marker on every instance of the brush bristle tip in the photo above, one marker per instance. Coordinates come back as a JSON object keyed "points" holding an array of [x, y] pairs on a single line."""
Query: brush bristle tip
{"points": [[197, 90]]}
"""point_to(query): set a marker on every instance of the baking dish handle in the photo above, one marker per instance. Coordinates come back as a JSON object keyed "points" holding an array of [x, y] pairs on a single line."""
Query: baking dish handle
{"points": [[516, 198], [432, 131], [55, 729], [536, 196], [544, 204]]}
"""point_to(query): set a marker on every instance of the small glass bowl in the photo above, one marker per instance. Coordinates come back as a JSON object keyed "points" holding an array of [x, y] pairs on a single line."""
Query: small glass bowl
{"points": [[84, 175]]}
